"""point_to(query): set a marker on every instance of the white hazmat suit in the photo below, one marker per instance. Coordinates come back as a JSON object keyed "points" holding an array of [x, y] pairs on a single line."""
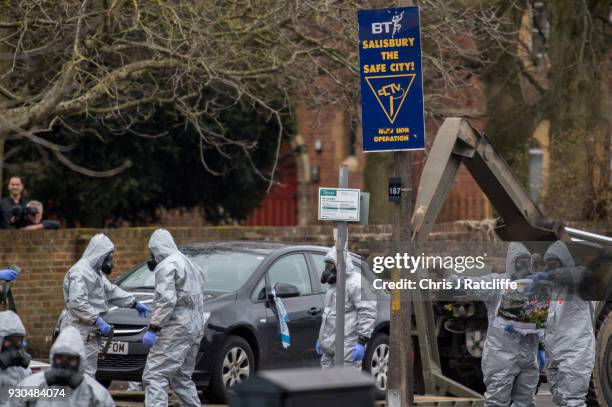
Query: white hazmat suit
{"points": [[10, 324], [178, 311], [359, 315], [88, 393], [87, 295], [570, 340], [509, 359]]}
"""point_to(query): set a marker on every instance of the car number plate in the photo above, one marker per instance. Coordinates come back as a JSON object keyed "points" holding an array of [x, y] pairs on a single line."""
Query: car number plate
{"points": [[116, 348]]}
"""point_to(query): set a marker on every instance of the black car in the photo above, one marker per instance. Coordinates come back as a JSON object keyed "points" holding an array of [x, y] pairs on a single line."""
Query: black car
{"points": [[242, 332]]}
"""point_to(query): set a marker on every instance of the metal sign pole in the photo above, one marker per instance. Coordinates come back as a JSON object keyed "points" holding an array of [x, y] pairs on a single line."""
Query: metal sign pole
{"points": [[340, 279]]}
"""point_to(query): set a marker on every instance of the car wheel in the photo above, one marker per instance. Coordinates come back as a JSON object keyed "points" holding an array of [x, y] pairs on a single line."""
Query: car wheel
{"points": [[234, 364], [377, 362], [600, 391]]}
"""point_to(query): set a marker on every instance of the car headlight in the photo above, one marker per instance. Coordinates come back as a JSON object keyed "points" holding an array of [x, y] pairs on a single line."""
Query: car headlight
{"points": [[206, 316]]}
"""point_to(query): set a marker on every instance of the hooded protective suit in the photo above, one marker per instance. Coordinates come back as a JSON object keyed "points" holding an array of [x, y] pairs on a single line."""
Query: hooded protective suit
{"points": [[87, 295], [359, 317], [178, 309], [88, 393], [569, 340], [10, 324], [509, 360]]}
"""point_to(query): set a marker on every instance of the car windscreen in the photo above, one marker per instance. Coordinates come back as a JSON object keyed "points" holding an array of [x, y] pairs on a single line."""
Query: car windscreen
{"points": [[224, 270]]}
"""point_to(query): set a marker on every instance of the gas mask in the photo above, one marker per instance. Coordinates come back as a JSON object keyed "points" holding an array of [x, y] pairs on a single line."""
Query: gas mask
{"points": [[107, 264], [64, 371], [151, 263], [12, 353], [522, 267], [553, 263], [329, 274]]}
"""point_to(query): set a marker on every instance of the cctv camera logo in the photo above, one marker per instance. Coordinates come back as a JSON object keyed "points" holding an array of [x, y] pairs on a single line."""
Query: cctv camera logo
{"points": [[387, 27]]}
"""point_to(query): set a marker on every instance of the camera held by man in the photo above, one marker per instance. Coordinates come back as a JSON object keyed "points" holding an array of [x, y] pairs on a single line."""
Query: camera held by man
{"points": [[30, 217]]}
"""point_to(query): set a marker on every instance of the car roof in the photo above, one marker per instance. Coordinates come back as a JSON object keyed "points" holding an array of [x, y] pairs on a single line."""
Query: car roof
{"points": [[250, 246]]}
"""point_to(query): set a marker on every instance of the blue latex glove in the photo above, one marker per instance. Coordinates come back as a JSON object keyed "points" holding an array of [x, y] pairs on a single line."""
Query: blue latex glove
{"points": [[318, 347], [541, 360], [510, 329], [8, 275], [104, 327], [358, 352], [539, 276], [149, 339], [142, 309], [536, 278]]}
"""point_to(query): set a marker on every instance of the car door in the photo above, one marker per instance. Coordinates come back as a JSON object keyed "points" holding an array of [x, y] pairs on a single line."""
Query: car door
{"points": [[292, 269]]}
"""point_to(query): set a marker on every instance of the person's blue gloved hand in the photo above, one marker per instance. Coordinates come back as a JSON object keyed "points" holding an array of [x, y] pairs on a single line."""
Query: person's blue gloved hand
{"points": [[541, 359], [537, 278], [318, 347], [103, 326], [8, 275], [510, 329], [358, 352], [149, 339], [142, 309]]}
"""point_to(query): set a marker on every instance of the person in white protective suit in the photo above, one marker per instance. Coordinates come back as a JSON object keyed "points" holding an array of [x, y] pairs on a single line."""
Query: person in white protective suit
{"points": [[66, 376], [88, 294], [14, 361], [509, 360], [570, 338], [360, 315], [177, 324]]}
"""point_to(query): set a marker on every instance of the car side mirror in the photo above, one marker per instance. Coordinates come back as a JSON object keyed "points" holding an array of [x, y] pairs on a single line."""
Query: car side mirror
{"points": [[285, 290]]}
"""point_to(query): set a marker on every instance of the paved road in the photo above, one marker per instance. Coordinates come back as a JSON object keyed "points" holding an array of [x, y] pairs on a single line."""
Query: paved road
{"points": [[543, 398]]}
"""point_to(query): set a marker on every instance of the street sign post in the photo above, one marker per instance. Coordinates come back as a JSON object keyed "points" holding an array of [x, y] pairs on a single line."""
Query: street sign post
{"points": [[391, 79], [341, 205], [392, 111]]}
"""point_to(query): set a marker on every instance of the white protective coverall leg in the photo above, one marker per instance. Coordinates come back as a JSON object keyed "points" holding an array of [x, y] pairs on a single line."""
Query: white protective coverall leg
{"points": [[359, 317], [87, 295], [10, 324], [178, 309], [509, 360], [570, 338], [88, 393]]}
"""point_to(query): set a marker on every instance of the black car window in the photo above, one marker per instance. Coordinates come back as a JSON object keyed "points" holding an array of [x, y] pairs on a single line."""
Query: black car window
{"points": [[291, 269], [224, 270], [259, 293]]}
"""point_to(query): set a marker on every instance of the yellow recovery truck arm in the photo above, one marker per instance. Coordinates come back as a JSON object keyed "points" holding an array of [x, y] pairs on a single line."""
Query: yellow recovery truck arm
{"points": [[456, 143]]}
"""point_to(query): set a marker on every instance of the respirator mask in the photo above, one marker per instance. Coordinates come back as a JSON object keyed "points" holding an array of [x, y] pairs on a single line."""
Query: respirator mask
{"points": [[13, 354], [107, 264], [329, 274], [64, 371]]}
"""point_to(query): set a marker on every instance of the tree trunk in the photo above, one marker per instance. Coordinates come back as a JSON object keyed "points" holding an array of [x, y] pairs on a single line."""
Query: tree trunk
{"points": [[5, 65]]}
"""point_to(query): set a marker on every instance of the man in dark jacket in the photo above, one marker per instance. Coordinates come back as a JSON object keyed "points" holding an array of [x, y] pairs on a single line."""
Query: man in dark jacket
{"points": [[15, 198]]}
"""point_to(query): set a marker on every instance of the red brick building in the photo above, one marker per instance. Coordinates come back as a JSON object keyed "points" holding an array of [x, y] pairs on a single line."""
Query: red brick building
{"points": [[325, 140]]}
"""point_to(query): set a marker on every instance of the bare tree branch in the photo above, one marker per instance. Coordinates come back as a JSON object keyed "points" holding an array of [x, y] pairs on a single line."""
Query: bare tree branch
{"points": [[91, 173]]}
